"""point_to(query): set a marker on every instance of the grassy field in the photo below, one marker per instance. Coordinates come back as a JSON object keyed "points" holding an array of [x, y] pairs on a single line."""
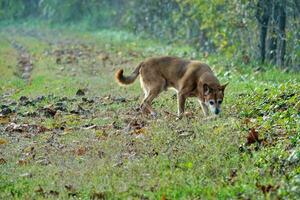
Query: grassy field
{"points": [[67, 130]]}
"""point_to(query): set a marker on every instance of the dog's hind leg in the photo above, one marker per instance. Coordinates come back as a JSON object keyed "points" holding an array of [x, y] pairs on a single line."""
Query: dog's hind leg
{"points": [[152, 91], [146, 105], [146, 93]]}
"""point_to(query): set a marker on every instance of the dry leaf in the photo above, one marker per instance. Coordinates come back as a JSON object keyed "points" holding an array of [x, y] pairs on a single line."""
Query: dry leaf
{"points": [[267, 188], [98, 195], [40, 190], [2, 161], [22, 162], [4, 120], [140, 131], [81, 151], [71, 190], [247, 121], [3, 141], [53, 192], [252, 137]]}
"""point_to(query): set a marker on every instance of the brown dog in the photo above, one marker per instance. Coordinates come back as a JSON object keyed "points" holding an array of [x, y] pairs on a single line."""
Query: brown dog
{"points": [[188, 78]]}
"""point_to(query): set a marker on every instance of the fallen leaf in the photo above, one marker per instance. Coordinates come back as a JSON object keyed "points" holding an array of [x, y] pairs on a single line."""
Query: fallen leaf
{"points": [[135, 125], [97, 195], [80, 151], [233, 175], [49, 111], [2, 161], [53, 193], [29, 128], [4, 120], [22, 162], [140, 131], [101, 154], [101, 133], [80, 92], [71, 190], [3, 141], [42, 161], [252, 136], [267, 188], [103, 56], [247, 121], [40, 190]]}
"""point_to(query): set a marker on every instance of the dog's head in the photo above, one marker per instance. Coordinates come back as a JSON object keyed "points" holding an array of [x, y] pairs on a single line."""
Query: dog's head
{"points": [[213, 97]]}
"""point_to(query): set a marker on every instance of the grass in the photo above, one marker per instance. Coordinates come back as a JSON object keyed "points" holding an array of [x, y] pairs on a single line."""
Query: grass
{"points": [[97, 146]]}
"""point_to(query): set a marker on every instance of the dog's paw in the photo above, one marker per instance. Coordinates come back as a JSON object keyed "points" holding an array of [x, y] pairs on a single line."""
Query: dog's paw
{"points": [[188, 114], [179, 117]]}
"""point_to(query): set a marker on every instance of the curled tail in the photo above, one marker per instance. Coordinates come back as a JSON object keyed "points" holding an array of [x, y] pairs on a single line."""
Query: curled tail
{"points": [[126, 80]]}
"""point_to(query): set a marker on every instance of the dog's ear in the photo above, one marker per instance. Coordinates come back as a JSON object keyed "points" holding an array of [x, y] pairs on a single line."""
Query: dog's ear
{"points": [[223, 86], [206, 89]]}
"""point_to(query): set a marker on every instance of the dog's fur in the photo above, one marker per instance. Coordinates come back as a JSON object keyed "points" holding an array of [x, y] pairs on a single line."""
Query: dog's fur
{"points": [[188, 78]]}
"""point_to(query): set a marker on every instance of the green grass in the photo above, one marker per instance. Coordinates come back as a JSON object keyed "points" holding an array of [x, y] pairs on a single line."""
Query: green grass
{"points": [[129, 156]]}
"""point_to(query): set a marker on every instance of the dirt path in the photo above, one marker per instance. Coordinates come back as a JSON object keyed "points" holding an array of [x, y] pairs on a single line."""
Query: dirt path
{"points": [[25, 61]]}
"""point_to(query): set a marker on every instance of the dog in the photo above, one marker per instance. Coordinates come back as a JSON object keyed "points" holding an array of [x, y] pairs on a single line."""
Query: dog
{"points": [[190, 78]]}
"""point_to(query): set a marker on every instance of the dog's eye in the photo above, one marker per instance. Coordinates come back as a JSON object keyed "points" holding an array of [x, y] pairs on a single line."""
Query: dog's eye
{"points": [[220, 101], [211, 102]]}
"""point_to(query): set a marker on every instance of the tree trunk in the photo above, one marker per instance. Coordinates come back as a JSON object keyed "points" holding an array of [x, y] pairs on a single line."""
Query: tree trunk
{"points": [[263, 15], [281, 33], [272, 41]]}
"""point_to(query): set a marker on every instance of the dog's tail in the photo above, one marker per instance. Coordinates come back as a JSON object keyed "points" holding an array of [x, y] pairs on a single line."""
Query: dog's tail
{"points": [[126, 80]]}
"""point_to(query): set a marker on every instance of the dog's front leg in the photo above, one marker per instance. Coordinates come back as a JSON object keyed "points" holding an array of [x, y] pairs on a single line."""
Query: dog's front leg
{"points": [[181, 103], [204, 108]]}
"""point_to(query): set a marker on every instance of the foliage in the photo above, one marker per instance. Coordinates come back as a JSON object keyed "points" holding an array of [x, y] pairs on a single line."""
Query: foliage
{"points": [[229, 27]]}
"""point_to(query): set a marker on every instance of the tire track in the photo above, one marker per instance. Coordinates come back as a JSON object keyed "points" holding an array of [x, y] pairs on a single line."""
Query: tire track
{"points": [[25, 61]]}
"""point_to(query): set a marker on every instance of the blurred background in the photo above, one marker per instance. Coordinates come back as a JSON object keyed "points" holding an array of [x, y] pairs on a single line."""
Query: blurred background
{"points": [[266, 31]]}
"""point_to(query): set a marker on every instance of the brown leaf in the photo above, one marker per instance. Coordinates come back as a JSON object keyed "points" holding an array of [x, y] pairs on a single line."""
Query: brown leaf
{"points": [[98, 195], [49, 111], [71, 189], [81, 151], [163, 197], [29, 128], [58, 60], [22, 162], [101, 154], [233, 175], [267, 188], [246, 59], [4, 120], [80, 92], [40, 190], [103, 56], [42, 129], [2, 161], [135, 125], [3, 141], [140, 131], [53, 193], [247, 121], [252, 136]]}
